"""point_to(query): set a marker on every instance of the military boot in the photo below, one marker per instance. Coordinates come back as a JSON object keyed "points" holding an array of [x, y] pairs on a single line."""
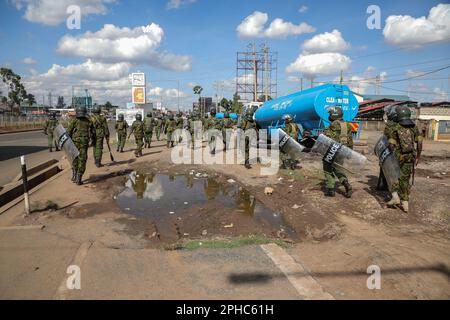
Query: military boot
{"points": [[247, 164], [405, 206], [329, 192], [395, 199], [79, 179], [97, 163], [51, 149], [74, 175], [348, 189], [140, 153], [117, 150], [121, 150]]}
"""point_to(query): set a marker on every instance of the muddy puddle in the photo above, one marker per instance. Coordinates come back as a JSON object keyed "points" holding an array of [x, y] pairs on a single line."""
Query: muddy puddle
{"points": [[196, 204]]}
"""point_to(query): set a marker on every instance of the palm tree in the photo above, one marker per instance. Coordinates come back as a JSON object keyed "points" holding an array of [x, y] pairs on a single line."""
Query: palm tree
{"points": [[198, 90]]}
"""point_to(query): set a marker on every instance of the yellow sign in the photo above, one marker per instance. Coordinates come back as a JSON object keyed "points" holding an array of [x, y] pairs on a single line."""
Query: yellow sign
{"points": [[138, 95]]}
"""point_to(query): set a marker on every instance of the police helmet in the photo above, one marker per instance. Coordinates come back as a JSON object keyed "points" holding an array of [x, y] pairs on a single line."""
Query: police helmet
{"points": [[120, 116], [138, 116], [404, 116], [80, 112]]}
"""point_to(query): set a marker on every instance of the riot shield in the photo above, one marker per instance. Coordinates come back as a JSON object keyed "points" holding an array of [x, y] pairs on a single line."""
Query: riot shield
{"points": [[289, 145], [65, 143], [388, 161], [335, 153]]}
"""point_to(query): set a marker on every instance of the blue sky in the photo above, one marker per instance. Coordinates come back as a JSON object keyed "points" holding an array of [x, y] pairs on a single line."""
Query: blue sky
{"points": [[201, 37]]}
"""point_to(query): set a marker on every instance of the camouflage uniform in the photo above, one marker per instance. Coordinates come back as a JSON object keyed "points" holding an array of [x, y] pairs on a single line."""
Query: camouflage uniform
{"points": [[403, 140], [248, 124], [137, 128], [158, 128], [340, 131], [121, 128], [101, 131], [210, 124], [171, 126], [149, 124], [227, 123], [80, 131], [50, 125], [291, 129]]}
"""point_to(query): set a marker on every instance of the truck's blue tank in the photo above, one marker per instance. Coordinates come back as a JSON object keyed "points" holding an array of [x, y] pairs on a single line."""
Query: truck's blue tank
{"points": [[308, 107], [219, 115]]}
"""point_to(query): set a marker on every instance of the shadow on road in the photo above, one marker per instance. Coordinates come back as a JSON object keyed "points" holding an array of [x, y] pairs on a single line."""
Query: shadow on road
{"points": [[260, 277], [10, 152]]}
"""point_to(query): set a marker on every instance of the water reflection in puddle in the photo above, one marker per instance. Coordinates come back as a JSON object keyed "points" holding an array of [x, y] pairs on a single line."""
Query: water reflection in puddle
{"points": [[162, 196]]}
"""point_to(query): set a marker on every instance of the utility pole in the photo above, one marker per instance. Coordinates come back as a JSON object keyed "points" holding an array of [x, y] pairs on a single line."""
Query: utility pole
{"points": [[341, 78], [301, 84], [266, 67], [255, 74]]}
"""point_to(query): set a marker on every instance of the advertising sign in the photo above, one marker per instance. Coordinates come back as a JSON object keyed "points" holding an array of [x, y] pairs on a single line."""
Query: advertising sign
{"points": [[138, 79], [138, 94]]}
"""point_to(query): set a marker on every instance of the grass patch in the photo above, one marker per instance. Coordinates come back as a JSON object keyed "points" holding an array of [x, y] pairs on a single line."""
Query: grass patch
{"points": [[224, 243]]}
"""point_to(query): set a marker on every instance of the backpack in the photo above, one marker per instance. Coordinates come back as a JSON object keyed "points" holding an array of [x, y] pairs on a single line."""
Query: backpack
{"points": [[406, 140]]}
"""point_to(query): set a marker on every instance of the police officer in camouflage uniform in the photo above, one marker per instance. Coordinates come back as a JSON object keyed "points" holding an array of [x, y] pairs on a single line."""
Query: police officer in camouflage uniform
{"points": [[50, 126], [101, 132], [80, 131], [171, 126], [248, 123], [227, 123], [212, 123], [158, 127], [149, 124], [406, 143], [137, 128], [291, 130], [121, 129], [391, 122], [341, 132]]}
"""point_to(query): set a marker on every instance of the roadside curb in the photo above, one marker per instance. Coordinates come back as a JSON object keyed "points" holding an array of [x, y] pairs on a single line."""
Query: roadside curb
{"points": [[20, 131]]}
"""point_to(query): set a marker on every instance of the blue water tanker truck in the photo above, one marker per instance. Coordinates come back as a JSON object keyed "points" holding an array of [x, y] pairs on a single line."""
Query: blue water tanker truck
{"points": [[309, 108]]}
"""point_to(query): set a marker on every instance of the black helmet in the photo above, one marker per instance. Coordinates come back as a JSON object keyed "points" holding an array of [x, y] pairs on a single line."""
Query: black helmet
{"points": [[120, 116], [335, 113], [226, 114], [212, 112], [391, 114], [287, 118], [170, 116], [80, 112], [149, 114], [96, 109], [138, 116], [404, 116]]}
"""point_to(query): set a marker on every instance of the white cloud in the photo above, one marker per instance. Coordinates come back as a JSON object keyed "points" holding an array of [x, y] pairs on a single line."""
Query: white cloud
{"points": [[90, 70], [406, 31], [176, 4], [303, 9], [52, 13], [253, 26], [319, 64], [281, 29], [439, 95], [114, 44], [29, 60], [326, 42]]}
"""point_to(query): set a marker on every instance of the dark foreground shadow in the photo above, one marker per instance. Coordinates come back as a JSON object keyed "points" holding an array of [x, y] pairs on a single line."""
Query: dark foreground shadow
{"points": [[102, 177], [261, 277], [9, 152]]}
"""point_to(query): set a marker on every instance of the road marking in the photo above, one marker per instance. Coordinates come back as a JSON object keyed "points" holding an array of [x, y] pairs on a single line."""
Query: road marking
{"points": [[80, 255], [306, 286]]}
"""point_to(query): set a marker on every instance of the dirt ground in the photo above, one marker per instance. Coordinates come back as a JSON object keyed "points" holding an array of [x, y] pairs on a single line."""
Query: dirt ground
{"points": [[336, 239]]}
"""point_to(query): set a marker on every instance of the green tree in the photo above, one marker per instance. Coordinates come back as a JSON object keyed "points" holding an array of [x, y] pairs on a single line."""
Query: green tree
{"points": [[236, 105], [30, 99], [17, 92], [108, 106]]}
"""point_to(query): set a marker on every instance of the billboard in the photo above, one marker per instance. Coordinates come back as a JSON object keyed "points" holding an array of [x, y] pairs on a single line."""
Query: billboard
{"points": [[131, 105], [129, 114], [138, 79], [138, 95]]}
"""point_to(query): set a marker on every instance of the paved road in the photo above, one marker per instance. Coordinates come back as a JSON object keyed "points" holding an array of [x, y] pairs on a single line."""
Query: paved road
{"points": [[13, 145]]}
